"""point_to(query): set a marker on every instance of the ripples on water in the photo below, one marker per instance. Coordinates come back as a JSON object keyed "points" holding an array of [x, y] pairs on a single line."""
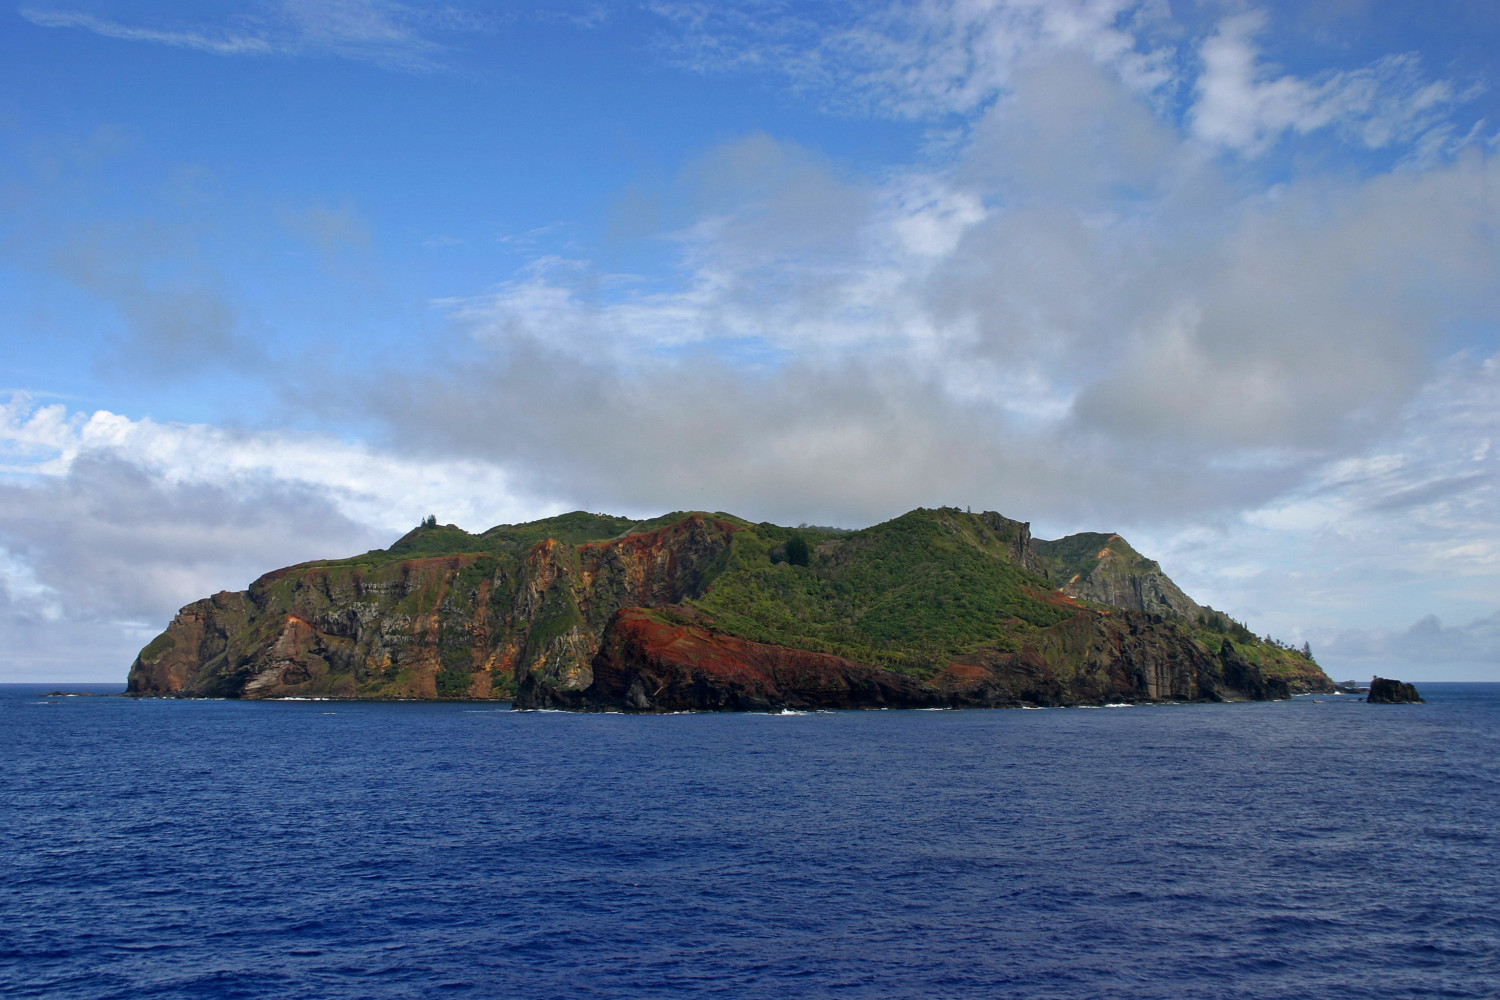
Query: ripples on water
{"points": [[1313, 848]]}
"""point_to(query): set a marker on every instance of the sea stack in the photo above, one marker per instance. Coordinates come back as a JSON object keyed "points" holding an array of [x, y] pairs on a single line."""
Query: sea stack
{"points": [[1385, 691]]}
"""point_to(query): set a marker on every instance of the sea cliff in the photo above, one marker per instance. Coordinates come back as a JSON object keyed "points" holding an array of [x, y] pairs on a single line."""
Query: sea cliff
{"points": [[698, 611]]}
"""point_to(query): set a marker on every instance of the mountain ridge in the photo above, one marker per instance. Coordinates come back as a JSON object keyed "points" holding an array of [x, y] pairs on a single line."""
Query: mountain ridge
{"points": [[696, 610]]}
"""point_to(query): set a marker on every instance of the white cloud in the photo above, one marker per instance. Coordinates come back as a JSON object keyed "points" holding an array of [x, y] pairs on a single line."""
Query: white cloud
{"points": [[217, 42], [388, 34], [108, 524], [383, 490], [1008, 332], [1242, 103], [932, 59], [1404, 529], [918, 60]]}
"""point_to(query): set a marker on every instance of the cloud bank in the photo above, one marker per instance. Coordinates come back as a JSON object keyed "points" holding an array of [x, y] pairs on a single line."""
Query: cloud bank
{"points": [[1085, 312], [109, 525]]}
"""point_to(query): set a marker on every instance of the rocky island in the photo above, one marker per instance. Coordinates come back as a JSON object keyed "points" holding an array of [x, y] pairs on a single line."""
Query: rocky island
{"points": [[699, 611], [1385, 691]]}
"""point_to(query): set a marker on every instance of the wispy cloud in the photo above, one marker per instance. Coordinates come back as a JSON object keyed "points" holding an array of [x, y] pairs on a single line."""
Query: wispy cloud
{"points": [[1408, 527], [219, 42], [936, 59], [179, 317], [388, 34], [914, 60]]}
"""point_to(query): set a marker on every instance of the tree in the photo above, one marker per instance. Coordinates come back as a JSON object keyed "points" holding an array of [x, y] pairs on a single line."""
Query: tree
{"points": [[796, 550], [430, 521]]}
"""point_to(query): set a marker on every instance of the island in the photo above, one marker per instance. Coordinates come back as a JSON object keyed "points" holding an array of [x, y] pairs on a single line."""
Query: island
{"points": [[698, 611]]}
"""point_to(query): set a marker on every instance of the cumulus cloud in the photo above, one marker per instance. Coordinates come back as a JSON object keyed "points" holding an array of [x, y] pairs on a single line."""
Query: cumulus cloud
{"points": [[1083, 313], [387, 491], [112, 540], [94, 561], [1244, 104], [109, 525]]}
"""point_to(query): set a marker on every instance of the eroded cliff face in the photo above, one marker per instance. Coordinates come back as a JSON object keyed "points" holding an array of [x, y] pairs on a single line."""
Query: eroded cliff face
{"points": [[173, 662], [657, 660], [1106, 570], [473, 625], [667, 660]]}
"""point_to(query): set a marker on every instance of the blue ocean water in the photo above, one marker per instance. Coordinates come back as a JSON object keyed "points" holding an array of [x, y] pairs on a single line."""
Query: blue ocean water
{"points": [[1319, 847]]}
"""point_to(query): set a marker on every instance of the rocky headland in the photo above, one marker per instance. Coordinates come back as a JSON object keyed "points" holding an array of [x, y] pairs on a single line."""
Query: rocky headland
{"points": [[698, 611]]}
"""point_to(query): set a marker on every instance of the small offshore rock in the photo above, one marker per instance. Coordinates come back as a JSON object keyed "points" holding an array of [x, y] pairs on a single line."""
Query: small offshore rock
{"points": [[1385, 691]]}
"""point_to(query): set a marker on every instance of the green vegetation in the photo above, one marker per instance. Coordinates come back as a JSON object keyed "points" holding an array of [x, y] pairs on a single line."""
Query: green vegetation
{"points": [[574, 528], [452, 683], [1082, 554], [1217, 623], [908, 594], [1076, 555], [157, 647]]}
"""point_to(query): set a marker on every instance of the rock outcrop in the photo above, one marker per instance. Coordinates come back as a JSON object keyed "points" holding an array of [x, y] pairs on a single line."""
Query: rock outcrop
{"points": [[657, 661], [1106, 570], [707, 612], [662, 660], [468, 625], [1384, 691]]}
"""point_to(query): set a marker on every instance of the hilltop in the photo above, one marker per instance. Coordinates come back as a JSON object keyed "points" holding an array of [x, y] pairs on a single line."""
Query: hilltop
{"points": [[698, 610]]}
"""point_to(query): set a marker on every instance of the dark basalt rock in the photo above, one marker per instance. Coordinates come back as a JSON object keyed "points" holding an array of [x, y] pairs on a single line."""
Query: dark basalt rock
{"points": [[1385, 691]]}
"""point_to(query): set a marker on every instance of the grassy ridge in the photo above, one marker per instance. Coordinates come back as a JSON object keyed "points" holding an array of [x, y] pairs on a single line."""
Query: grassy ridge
{"points": [[908, 594]]}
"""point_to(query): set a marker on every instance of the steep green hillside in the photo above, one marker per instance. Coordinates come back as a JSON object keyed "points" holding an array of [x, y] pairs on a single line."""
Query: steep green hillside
{"points": [[908, 594]]}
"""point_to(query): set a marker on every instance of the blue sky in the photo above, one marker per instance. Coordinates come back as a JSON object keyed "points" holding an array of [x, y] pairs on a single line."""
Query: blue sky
{"points": [[278, 279]]}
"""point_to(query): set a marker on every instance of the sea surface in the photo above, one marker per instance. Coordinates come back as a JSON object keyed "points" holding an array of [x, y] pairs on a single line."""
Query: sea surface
{"points": [[1315, 848]]}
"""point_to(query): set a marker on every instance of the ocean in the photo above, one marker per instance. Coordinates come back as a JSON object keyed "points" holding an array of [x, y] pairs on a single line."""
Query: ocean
{"points": [[1314, 848]]}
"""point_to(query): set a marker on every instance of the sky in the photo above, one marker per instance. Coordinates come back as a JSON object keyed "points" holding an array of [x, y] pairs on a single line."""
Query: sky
{"points": [[277, 280]]}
